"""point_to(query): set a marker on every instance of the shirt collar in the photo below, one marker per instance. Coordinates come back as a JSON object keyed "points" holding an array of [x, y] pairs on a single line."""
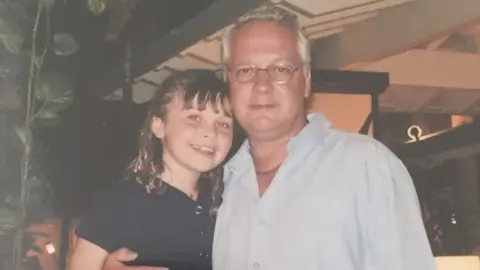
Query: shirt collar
{"points": [[311, 135]]}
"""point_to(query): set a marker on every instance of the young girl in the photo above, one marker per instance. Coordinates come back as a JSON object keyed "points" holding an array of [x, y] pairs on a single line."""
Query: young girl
{"points": [[165, 210]]}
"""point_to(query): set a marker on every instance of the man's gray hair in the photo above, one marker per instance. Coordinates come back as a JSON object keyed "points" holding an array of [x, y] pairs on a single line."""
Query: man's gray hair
{"points": [[269, 13]]}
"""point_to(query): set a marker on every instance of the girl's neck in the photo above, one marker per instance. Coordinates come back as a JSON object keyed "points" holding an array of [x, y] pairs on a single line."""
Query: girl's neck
{"points": [[183, 180]]}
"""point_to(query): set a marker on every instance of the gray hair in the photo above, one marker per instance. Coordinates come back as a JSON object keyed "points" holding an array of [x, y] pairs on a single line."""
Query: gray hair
{"points": [[274, 14]]}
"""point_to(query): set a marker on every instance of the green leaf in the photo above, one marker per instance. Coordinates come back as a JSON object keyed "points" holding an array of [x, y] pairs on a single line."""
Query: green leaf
{"points": [[48, 3], [8, 220], [64, 44], [12, 41], [56, 90], [12, 201], [48, 118], [34, 182], [96, 7], [25, 135], [37, 60]]}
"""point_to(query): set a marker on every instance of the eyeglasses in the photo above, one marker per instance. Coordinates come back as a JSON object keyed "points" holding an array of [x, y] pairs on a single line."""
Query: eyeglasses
{"points": [[278, 73]]}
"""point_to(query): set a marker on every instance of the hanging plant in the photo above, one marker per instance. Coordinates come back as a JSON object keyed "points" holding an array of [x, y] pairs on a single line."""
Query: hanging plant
{"points": [[55, 91], [65, 44], [48, 94], [97, 7], [10, 39]]}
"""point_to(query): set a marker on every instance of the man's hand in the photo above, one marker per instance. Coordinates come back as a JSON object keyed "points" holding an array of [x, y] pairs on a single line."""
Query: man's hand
{"points": [[116, 259]]}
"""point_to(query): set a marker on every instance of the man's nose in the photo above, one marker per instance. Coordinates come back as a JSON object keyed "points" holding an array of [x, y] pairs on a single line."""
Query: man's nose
{"points": [[262, 82]]}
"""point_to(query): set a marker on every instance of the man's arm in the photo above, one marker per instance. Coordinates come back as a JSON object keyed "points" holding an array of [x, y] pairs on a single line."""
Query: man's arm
{"points": [[394, 231]]}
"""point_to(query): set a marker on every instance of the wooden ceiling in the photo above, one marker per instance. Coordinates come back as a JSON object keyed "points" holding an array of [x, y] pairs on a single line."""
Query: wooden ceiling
{"points": [[319, 19]]}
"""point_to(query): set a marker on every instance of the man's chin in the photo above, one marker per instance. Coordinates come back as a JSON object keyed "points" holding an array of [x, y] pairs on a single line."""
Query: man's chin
{"points": [[264, 125]]}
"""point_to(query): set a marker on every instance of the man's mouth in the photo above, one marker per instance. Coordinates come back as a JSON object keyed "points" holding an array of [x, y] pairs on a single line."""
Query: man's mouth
{"points": [[203, 149], [261, 106]]}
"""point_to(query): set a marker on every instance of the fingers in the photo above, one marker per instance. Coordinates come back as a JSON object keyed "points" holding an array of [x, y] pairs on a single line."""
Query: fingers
{"points": [[124, 255], [116, 259]]}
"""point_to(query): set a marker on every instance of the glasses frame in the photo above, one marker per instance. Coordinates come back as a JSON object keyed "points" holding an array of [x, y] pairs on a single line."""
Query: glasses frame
{"points": [[257, 69]]}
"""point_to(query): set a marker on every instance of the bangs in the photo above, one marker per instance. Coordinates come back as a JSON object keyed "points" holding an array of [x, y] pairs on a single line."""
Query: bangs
{"points": [[200, 100]]}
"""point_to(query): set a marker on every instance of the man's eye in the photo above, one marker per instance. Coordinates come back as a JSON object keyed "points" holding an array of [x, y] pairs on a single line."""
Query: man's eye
{"points": [[244, 70], [282, 70], [195, 118]]}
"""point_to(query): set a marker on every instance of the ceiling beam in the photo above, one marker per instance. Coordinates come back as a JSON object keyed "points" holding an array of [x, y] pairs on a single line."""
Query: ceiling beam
{"points": [[434, 45], [219, 15], [393, 31], [444, 69], [349, 82]]}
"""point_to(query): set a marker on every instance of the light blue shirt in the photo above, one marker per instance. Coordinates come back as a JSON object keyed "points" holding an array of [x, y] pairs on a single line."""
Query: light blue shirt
{"points": [[340, 201]]}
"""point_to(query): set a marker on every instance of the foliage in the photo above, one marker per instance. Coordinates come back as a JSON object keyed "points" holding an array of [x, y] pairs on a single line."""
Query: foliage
{"points": [[97, 6], [47, 94]]}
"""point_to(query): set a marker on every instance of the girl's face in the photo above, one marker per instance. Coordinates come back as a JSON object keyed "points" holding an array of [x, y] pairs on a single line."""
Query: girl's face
{"points": [[197, 140]]}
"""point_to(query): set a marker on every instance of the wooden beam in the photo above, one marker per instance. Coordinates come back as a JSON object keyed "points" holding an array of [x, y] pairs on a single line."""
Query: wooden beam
{"points": [[219, 15], [349, 82], [394, 30], [434, 45]]}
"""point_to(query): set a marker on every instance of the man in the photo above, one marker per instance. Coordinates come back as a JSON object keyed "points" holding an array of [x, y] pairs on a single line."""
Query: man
{"points": [[300, 194]]}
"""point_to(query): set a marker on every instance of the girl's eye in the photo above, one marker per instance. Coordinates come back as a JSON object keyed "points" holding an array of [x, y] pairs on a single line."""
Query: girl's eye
{"points": [[193, 117], [224, 125]]}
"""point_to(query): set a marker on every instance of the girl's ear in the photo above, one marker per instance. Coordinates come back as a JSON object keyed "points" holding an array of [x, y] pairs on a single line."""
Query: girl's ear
{"points": [[158, 127]]}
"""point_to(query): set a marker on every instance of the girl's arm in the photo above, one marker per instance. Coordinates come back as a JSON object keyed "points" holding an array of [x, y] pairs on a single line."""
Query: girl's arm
{"points": [[115, 261], [87, 255]]}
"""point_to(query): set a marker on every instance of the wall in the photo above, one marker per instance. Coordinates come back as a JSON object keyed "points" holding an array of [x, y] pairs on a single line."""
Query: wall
{"points": [[346, 112]]}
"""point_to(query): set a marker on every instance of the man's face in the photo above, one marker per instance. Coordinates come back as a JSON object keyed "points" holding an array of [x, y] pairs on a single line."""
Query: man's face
{"points": [[265, 107]]}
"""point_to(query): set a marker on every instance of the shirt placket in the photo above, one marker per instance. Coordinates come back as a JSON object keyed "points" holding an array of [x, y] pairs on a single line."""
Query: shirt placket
{"points": [[261, 229]]}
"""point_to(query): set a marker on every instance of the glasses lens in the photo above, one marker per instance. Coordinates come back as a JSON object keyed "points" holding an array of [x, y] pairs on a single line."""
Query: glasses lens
{"points": [[244, 74], [280, 73]]}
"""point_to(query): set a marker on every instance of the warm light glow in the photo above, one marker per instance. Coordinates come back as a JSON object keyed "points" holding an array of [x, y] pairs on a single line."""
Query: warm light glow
{"points": [[50, 248], [457, 263]]}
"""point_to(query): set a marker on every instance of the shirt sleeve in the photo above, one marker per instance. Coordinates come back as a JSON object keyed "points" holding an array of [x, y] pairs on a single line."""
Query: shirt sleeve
{"points": [[105, 222], [395, 233]]}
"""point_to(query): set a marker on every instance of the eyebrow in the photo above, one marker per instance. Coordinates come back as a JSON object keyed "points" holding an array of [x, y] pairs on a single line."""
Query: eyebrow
{"points": [[282, 61]]}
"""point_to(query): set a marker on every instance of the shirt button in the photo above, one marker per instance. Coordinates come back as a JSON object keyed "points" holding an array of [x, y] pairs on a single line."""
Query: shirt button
{"points": [[198, 209], [262, 222], [256, 265], [205, 255]]}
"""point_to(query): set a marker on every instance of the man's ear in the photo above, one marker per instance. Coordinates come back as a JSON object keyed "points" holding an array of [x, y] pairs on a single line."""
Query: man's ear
{"points": [[308, 82], [158, 127]]}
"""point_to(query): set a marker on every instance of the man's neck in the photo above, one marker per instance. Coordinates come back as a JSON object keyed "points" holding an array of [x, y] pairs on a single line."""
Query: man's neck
{"points": [[272, 151]]}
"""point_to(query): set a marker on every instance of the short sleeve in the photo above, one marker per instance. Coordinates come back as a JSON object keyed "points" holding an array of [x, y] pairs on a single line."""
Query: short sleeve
{"points": [[396, 234], [105, 223]]}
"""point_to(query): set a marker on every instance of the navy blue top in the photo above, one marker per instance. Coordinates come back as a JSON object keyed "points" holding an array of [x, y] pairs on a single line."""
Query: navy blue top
{"points": [[168, 229]]}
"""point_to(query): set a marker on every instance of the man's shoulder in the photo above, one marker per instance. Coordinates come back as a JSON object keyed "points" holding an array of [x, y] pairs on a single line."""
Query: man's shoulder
{"points": [[358, 144], [353, 140]]}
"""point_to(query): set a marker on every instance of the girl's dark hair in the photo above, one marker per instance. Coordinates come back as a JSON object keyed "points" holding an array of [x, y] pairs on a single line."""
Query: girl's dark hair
{"points": [[207, 89]]}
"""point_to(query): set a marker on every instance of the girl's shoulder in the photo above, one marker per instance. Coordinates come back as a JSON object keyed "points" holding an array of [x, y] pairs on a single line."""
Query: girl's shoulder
{"points": [[119, 194]]}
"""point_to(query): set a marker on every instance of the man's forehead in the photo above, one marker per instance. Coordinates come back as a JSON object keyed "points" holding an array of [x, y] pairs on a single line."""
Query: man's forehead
{"points": [[263, 39]]}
